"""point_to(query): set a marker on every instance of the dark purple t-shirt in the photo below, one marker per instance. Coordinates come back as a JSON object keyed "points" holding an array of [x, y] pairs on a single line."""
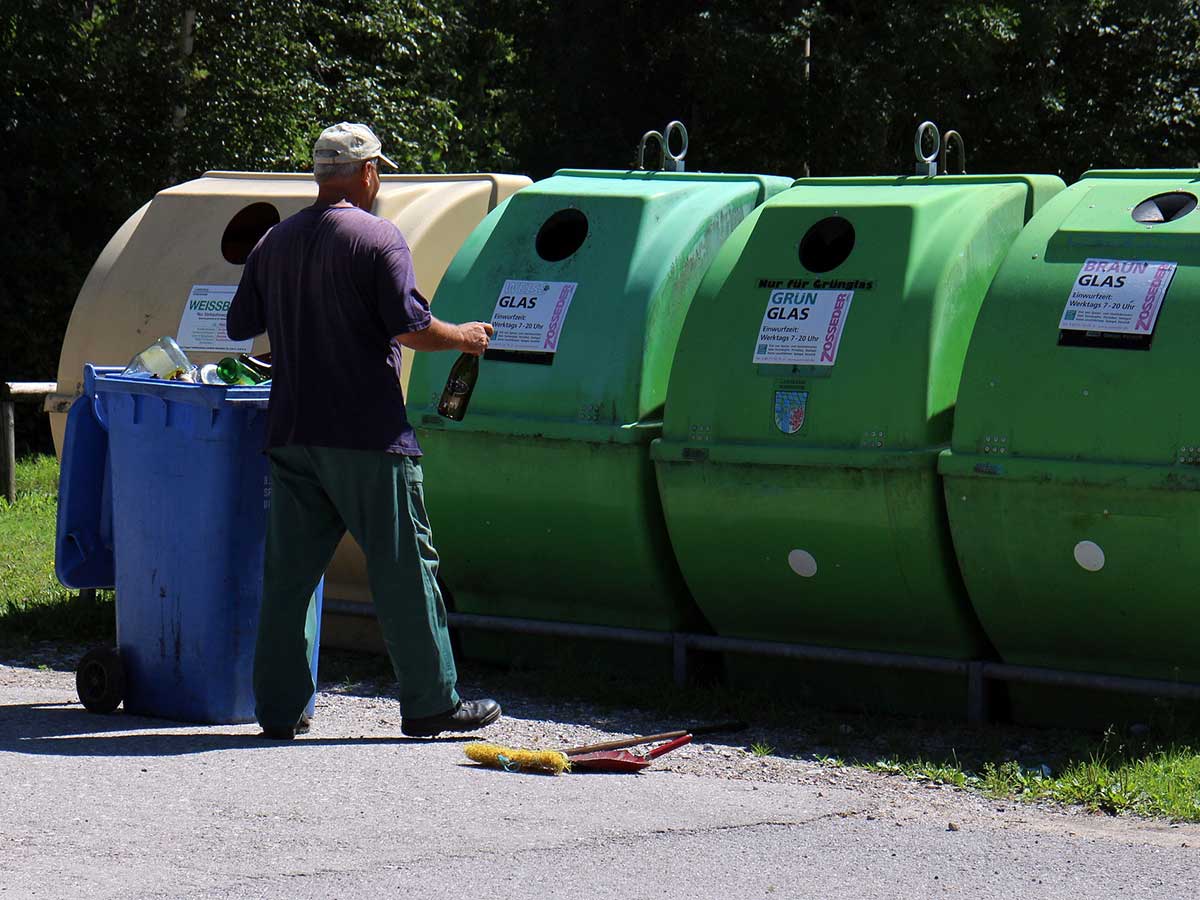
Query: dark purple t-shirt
{"points": [[331, 286]]}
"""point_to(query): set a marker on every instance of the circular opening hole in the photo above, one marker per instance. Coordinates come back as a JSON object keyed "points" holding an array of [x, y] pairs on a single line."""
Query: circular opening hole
{"points": [[245, 229], [561, 235], [1164, 208], [826, 245]]}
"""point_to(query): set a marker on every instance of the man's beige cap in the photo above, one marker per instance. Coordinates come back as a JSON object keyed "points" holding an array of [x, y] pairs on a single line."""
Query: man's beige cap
{"points": [[348, 142]]}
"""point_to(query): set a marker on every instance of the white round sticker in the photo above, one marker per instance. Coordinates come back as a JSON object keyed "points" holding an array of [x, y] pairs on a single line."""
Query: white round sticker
{"points": [[802, 563], [1089, 555]]}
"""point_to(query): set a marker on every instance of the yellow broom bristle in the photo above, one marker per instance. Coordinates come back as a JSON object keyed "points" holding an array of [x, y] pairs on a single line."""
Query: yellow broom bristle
{"points": [[549, 762]]}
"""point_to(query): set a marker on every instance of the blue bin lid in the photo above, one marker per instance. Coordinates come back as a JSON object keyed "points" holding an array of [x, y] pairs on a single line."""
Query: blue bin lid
{"points": [[213, 396], [83, 552], [83, 544]]}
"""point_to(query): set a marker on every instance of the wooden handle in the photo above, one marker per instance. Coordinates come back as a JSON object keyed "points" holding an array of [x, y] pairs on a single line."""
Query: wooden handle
{"points": [[622, 743]]}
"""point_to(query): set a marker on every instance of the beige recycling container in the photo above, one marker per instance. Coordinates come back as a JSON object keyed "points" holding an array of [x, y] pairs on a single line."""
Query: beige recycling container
{"points": [[172, 267]]}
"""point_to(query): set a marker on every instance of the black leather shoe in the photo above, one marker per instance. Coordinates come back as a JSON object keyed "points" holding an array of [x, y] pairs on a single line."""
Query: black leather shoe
{"points": [[286, 734], [467, 716]]}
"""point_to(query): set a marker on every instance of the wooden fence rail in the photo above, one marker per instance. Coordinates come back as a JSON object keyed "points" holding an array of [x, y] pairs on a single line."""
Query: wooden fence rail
{"points": [[11, 393]]}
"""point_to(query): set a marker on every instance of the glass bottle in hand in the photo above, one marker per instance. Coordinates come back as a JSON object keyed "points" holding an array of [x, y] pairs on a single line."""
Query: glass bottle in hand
{"points": [[457, 392]]}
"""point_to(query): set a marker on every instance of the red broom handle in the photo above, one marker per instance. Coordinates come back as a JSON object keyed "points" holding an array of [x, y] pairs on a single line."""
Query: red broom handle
{"points": [[668, 747]]}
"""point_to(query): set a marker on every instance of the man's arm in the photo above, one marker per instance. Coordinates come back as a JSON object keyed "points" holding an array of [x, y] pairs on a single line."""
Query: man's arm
{"points": [[246, 317], [470, 337]]}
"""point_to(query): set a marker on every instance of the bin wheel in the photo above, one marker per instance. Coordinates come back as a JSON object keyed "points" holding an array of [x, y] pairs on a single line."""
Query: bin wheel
{"points": [[100, 680]]}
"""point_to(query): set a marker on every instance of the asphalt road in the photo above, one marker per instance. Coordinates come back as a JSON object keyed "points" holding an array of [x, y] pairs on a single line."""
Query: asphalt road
{"points": [[108, 807]]}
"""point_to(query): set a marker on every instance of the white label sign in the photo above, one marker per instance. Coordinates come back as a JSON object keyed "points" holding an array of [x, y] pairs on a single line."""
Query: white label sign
{"points": [[1117, 295], [802, 328], [529, 315], [203, 324]]}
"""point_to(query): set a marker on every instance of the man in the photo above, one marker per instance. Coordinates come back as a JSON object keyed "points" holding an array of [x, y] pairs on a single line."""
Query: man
{"points": [[333, 287]]}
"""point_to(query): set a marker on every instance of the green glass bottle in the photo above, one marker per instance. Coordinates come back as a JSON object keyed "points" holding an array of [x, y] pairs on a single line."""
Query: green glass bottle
{"points": [[232, 371], [457, 393], [259, 365]]}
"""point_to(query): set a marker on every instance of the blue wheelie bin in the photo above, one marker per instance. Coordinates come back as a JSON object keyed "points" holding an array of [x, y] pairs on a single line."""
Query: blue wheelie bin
{"points": [[163, 493]]}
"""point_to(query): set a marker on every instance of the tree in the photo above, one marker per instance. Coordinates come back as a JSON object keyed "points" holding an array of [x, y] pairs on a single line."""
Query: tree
{"points": [[104, 103]]}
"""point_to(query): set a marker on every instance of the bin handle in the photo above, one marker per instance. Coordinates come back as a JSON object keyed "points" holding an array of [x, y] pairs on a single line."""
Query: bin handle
{"points": [[98, 411], [668, 161], [90, 372], [953, 137], [646, 138], [235, 400], [676, 164]]}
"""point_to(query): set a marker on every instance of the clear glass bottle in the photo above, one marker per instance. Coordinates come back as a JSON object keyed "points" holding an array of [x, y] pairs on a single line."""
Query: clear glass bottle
{"points": [[162, 359], [208, 375]]}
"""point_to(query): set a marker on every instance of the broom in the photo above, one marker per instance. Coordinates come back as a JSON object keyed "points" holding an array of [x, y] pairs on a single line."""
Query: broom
{"points": [[555, 762]]}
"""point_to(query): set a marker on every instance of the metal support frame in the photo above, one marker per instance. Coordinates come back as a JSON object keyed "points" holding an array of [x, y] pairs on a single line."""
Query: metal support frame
{"points": [[977, 705], [11, 393], [679, 659], [682, 644], [8, 452]]}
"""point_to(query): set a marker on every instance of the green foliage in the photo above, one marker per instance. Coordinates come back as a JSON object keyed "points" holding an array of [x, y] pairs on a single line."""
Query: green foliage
{"points": [[104, 102], [1053, 86], [265, 77]]}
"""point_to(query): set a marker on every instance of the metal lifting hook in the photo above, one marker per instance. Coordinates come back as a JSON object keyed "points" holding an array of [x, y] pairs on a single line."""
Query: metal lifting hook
{"points": [[949, 139], [929, 164], [669, 161]]}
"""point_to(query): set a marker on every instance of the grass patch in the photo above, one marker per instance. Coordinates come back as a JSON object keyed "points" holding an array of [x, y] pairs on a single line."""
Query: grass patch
{"points": [[1163, 781], [1111, 778], [33, 605], [921, 770], [1143, 775]]}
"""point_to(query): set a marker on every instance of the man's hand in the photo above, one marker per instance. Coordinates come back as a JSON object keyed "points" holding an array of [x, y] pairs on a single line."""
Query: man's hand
{"points": [[475, 337], [470, 337]]}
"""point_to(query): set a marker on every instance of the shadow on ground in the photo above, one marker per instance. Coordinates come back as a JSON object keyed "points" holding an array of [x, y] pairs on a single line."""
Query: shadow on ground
{"points": [[67, 729]]}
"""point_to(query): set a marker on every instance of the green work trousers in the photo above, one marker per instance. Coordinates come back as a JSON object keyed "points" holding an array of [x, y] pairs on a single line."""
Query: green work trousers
{"points": [[317, 494]]}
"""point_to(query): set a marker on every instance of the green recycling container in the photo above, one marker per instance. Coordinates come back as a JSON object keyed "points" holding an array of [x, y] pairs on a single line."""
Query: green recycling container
{"points": [[1072, 482], [543, 498], [812, 392]]}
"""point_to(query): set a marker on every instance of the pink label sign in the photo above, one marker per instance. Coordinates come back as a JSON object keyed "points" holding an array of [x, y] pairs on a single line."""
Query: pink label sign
{"points": [[1122, 296], [529, 315]]}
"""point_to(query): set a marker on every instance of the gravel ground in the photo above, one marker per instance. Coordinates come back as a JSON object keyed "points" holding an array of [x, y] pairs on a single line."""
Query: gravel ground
{"points": [[540, 720], [144, 808], [530, 721]]}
